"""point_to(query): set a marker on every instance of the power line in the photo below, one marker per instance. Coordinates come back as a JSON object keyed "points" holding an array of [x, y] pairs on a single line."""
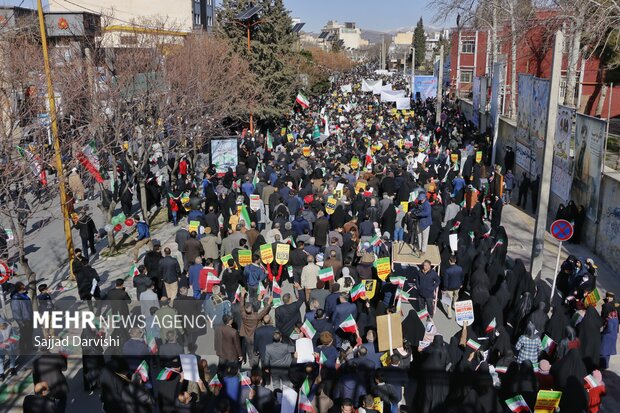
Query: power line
{"points": [[106, 15], [12, 15]]}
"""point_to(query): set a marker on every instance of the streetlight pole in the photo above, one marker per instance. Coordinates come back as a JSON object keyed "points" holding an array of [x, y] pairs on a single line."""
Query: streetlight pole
{"points": [[54, 125], [439, 88]]}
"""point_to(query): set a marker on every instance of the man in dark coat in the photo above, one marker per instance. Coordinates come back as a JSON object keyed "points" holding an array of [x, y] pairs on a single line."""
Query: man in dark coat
{"points": [[48, 368], [88, 285], [87, 229], [287, 315], [118, 299], [320, 229]]}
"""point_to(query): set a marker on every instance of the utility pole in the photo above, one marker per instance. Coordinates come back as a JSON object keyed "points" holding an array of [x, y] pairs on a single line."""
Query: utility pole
{"points": [[538, 246], [54, 124], [412, 71], [405, 64], [439, 87]]}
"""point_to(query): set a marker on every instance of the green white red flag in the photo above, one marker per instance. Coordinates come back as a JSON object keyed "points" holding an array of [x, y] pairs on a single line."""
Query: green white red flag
{"points": [[143, 371], [308, 329], [349, 325], [358, 291], [517, 404], [302, 100], [89, 160]]}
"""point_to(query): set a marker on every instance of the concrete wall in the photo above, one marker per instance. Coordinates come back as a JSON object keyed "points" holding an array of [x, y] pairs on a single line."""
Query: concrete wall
{"points": [[602, 238]]}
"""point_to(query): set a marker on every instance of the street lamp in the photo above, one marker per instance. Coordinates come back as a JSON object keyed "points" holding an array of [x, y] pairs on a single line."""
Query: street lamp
{"points": [[245, 19]]}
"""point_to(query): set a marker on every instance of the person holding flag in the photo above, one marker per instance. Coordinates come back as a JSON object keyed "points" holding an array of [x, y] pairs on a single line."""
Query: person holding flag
{"points": [[250, 320]]}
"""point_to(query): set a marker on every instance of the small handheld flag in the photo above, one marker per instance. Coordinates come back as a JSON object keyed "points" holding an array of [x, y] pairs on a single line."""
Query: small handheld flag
{"points": [[517, 404], [473, 344], [358, 291], [143, 371], [308, 329], [165, 374], [491, 326], [349, 325]]}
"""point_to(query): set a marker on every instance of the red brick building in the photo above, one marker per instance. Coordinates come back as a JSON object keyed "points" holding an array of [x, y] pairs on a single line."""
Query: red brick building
{"points": [[471, 56]]}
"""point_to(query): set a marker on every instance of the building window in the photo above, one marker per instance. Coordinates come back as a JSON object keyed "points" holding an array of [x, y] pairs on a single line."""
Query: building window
{"points": [[209, 21], [197, 21], [467, 76], [468, 46]]}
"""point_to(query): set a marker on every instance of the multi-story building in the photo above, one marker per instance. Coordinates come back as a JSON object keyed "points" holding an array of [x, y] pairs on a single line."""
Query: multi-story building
{"points": [[432, 43], [348, 33], [123, 21], [403, 38], [471, 56]]}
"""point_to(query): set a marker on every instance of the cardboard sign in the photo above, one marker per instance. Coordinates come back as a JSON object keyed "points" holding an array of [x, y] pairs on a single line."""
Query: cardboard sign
{"points": [[189, 364], [371, 288], [404, 206], [383, 267], [478, 156], [304, 350], [225, 259], [282, 253], [547, 400], [330, 205], [454, 157], [266, 253], [339, 190], [464, 312], [389, 332], [290, 137], [355, 162], [454, 242], [193, 226], [306, 151], [245, 257], [360, 185], [254, 202]]}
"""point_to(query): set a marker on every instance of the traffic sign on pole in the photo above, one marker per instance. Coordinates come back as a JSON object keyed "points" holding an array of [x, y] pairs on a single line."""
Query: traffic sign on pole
{"points": [[561, 230]]}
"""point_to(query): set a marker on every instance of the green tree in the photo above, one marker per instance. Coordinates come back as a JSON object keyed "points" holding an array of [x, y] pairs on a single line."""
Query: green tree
{"points": [[419, 42], [271, 51]]}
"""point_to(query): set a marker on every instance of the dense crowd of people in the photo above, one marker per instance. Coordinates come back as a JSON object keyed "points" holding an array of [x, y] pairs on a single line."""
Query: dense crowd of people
{"points": [[340, 185]]}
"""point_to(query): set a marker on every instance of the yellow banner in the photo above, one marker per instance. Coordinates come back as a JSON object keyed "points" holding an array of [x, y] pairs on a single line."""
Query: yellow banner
{"points": [[282, 253]]}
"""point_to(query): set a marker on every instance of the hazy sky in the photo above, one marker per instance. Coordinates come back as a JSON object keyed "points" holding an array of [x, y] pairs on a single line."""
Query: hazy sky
{"points": [[368, 14]]}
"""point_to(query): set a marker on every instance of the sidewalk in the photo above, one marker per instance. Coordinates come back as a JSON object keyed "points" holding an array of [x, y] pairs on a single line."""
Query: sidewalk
{"points": [[520, 229]]}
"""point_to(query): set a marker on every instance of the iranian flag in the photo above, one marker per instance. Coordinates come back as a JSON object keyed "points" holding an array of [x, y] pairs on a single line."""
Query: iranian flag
{"points": [[291, 241], [249, 407], [269, 141], [375, 241], [238, 294], [302, 100], [349, 325], [89, 160], [152, 345], [400, 281], [473, 344], [455, 226], [165, 374], [304, 404], [245, 216], [357, 292], [215, 382], [491, 326], [501, 369], [277, 302], [13, 339], [517, 404], [34, 161], [134, 271], [276, 289], [548, 345], [143, 371], [326, 274], [321, 359], [244, 379], [261, 290], [423, 314], [305, 388], [499, 243], [591, 381], [403, 296], [308, 329], [213, 279]]}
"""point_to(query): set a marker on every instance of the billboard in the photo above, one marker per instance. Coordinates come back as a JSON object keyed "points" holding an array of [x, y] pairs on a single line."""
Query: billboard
{"points": [[224, 154], [589, 155], [426, 86], [562, 174], [475, 118]]}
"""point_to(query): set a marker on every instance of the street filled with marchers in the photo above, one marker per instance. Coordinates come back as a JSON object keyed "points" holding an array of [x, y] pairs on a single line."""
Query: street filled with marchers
{"points": [[321, 254]]}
